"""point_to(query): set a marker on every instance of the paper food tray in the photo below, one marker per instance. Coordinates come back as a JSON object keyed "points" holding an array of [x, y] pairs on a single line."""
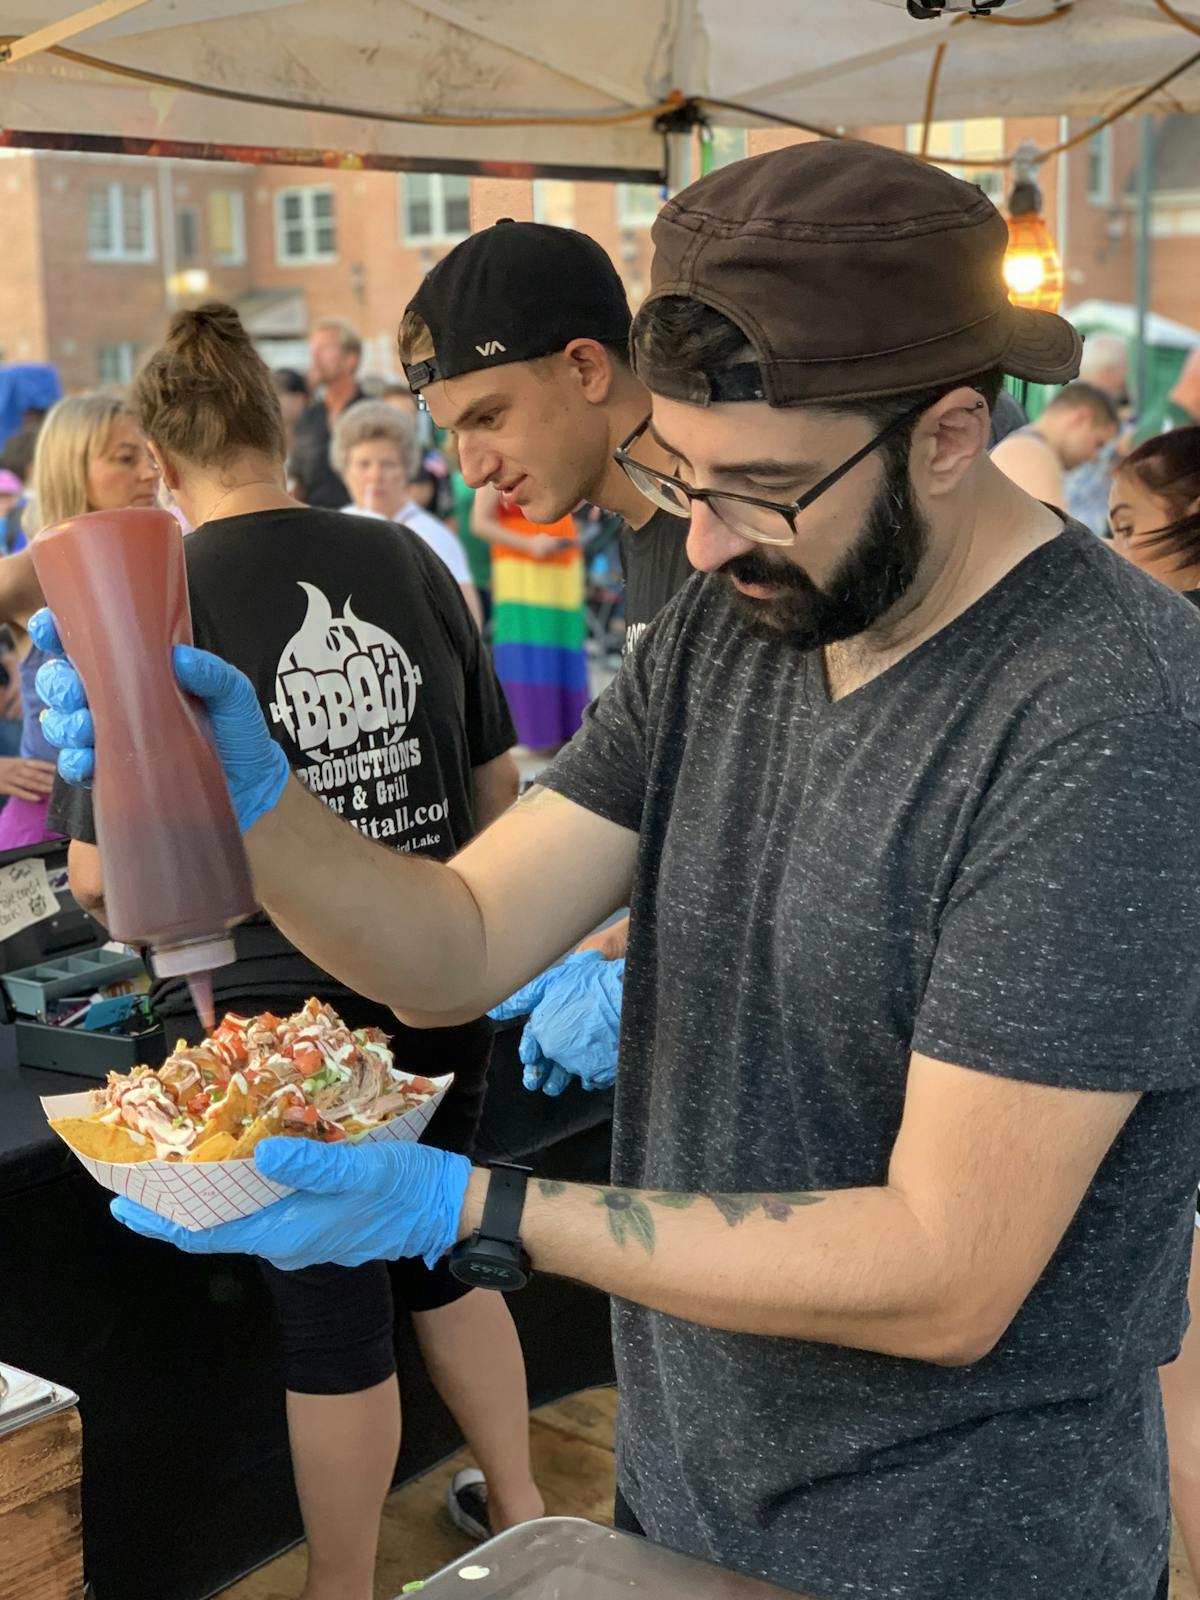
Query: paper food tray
{"points": [[200, 1194]]}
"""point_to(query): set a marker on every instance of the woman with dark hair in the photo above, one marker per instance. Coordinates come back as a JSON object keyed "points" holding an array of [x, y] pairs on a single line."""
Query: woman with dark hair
{"points": [[366, 660], [1154, 510]]}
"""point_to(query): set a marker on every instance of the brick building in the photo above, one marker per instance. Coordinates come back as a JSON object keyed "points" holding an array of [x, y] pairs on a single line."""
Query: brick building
{"points": [[98, 250]]}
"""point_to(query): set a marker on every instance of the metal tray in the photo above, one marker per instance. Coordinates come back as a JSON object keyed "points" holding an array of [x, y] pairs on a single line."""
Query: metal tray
{"points": [[30, 989], [24, 1398]]}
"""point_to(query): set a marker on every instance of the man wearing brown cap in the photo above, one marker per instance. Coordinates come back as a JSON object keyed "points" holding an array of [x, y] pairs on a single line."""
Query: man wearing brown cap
{"points": [[902, 792]]}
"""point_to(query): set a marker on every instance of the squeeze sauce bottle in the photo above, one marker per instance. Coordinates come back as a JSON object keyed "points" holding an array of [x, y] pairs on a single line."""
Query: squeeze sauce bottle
{"points": [[175, 870]]}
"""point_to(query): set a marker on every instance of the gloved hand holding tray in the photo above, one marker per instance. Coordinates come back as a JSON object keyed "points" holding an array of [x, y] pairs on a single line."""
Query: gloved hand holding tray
{"points": [[178, 1138]]}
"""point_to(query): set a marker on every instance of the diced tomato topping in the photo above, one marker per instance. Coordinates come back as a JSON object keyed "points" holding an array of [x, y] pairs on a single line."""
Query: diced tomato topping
{"points": [[421, 1086], [308, 1115], [333, 1134], [199, 1103], [308, 1059]]}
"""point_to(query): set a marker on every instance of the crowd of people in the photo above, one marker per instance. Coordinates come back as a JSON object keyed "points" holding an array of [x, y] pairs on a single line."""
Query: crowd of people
{"points": [[870, 881]]}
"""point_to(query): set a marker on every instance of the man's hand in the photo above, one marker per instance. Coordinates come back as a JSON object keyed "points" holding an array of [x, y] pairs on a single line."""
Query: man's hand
{"points": [[353, 1203], [25, 779], [574, 1023], [256, 769]]}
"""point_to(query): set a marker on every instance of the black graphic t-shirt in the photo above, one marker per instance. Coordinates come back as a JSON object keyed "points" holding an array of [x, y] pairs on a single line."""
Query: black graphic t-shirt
{"points": [[656, 566], [373, 678]]}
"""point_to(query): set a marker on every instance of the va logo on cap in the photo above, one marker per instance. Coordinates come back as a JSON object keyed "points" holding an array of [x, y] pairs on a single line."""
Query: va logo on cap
{"points": [[492, 348]]}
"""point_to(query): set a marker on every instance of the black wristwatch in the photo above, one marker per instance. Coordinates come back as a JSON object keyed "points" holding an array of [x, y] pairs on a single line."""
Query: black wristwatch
{"points": [[492, 1258]]}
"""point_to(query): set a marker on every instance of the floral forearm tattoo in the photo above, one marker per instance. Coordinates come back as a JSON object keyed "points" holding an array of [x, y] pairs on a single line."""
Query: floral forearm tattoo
{"points": [[630, 1214]]}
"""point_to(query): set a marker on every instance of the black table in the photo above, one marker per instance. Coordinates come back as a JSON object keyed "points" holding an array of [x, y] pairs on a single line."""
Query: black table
{"points": [[187, 1482]]}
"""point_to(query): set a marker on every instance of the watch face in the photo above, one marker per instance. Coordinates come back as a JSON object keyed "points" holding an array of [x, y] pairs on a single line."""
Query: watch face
{"points": [[496, 1275], [487, 1267]]}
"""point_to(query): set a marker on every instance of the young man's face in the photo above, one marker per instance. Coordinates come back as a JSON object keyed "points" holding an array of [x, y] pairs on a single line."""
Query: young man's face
{"points": [[857, 549], [528, 429]]}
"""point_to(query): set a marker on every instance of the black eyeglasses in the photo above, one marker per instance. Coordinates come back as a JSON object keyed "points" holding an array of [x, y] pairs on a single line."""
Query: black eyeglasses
{"points": [[745, 514]]}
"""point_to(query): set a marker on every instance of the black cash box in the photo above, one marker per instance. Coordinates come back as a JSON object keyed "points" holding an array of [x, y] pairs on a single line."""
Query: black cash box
{"points": [[66, 954]]}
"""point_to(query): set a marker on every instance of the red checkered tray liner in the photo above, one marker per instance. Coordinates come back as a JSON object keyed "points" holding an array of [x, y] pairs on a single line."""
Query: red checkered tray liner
{"points": [[199, 1194]]}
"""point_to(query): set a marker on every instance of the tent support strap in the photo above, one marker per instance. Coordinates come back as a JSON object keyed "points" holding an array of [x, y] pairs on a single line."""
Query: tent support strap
{"points": [[66, 28]]}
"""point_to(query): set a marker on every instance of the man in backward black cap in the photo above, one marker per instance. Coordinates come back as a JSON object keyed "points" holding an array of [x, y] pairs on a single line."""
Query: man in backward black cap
{"points": [[902, 791]]}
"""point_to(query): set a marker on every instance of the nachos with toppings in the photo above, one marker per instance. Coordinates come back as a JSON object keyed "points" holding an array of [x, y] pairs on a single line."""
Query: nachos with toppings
{"points": [[308, 1076]]}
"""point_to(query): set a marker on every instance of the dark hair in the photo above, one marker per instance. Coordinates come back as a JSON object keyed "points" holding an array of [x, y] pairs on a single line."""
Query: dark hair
{"points": [[288, 381], [1169, 466], [685, 337], [207, 395], [1098, 403]]}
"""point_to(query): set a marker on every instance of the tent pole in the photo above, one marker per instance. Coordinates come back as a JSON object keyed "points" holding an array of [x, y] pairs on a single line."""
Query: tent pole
{"points": [[67, 28], [679, 145], [1145, 192]]}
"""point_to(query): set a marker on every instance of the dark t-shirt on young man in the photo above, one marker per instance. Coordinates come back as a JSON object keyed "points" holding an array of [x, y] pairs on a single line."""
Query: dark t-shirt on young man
{"points": [[656, 567], [378, 686], [308, 459], [988, 855]]}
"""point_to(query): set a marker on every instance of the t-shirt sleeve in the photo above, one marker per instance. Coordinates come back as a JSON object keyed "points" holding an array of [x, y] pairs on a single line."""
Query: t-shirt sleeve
{"points": [[71, 812], [605, 768], [1068, 951]]}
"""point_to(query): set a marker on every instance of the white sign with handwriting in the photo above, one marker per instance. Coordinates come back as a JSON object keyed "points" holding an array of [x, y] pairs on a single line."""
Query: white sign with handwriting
{"points": [[25, 896]]}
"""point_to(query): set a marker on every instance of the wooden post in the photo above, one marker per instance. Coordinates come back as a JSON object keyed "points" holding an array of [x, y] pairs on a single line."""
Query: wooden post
{"points": [[40, 1523]]}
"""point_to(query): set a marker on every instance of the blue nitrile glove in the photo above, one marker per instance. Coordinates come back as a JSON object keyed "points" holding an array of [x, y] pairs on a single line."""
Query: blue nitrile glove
{"points": [[354, 1203], [256, 769], [574, 1023]]}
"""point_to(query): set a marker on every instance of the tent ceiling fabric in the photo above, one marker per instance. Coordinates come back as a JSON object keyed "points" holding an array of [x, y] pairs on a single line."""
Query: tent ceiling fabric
{"points": [[835, 62]]}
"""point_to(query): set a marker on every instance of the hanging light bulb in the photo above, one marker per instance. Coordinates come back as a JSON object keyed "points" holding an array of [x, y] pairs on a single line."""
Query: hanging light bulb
{"points": [[1033, 267]]}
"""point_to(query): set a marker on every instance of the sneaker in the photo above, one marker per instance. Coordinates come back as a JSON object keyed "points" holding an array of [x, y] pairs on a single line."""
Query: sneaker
{"points": [[467, 1504]]}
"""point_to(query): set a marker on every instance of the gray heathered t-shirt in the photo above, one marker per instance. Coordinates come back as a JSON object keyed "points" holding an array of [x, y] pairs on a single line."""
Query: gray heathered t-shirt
{"points": [[990, 854]]}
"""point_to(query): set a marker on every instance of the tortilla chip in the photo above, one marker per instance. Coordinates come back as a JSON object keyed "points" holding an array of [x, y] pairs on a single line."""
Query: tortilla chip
{"points": [[226, 1116], [102, 1141], [217, 1147], [259, 1130]]}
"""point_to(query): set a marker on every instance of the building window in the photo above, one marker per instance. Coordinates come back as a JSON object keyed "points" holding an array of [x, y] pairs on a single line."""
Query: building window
{"points": [[980, 139], [115, 362], [305, 230], [437, 207], [637, 204], [227, 227], [120, 222], [1100, 167], [726, 146], [554, 202], [187, 237]]}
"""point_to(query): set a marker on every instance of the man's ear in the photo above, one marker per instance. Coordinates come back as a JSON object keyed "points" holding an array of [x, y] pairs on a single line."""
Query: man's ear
{"points": [[592, 366], [949, 439]]}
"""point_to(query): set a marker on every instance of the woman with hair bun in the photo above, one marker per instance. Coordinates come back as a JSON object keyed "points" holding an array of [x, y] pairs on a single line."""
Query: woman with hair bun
{"points": [[91, 456], [375, 680]]}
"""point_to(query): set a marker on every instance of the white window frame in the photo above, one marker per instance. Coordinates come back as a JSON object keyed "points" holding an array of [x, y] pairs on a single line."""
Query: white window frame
{"points": [[311, 255], [632, 211], [115, 193], [1101, 143], [988, 179], [439, 232], [237, 256], [126, 361]]}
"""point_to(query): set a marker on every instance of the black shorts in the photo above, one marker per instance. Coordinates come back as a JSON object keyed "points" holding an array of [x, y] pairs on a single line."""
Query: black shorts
{"points": [[336, 1323]]}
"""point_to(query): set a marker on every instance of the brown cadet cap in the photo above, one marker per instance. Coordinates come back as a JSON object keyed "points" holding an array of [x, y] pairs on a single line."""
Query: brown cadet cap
{"points": [[854, 272]]}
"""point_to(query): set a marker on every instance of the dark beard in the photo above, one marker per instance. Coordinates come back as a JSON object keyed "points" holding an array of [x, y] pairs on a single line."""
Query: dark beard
{"points": [[875, 574]]}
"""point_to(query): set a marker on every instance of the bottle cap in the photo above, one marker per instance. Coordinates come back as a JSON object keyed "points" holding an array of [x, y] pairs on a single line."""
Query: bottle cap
{"points": [[192, 955]]}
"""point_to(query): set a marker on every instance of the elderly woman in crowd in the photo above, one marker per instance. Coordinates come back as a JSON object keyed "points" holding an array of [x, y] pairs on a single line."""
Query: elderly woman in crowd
{"points": [[375, 452]]}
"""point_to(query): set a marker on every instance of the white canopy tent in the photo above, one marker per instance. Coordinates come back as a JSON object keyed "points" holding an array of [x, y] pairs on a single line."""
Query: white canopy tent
{"points": [[549, 86]]}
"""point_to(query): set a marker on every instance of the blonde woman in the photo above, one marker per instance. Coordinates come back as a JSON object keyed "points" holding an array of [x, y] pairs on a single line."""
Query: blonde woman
{"points": [[91, 456]]}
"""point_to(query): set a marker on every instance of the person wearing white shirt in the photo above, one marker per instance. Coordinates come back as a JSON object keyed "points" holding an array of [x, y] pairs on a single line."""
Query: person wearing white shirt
{"points": [[373, 449]]}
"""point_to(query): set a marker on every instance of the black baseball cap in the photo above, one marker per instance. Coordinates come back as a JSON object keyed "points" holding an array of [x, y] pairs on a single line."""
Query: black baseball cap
{"points": [[514, 292], [853, 271]]}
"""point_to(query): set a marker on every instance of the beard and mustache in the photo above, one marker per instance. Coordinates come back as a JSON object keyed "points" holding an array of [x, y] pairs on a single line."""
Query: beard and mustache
{"points": [[872, 578]]}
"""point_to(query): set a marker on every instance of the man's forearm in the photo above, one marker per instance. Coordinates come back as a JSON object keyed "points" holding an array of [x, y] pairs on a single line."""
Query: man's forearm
{"points": [[399, 928], [849, 1267]]}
